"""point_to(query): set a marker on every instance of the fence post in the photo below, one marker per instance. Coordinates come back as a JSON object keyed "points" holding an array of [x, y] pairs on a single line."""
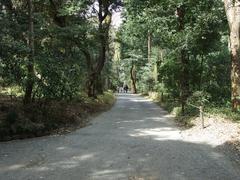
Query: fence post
{"points": [[201, 116]]}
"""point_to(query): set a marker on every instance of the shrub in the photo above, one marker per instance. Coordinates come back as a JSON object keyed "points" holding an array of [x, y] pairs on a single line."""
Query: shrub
{"points": [[12, 117]]}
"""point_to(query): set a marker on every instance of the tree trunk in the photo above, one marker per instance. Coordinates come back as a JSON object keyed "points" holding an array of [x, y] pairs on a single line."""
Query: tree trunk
{"points": [[149, 47], [184, 79], [99, 84], [159, 63], [104, 18], [90, 86], [232, 8], [133, 78], [30, 65], [201, 73]]}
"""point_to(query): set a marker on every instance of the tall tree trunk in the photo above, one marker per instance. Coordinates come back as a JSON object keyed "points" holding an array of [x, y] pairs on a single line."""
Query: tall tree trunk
{"points": [[184, 79], [201, 72], [232, 8], [155, 72], [157, 64], [149, 46], [133, 78], [90, 86], [104, 18], [99, 84], [30, 65]]}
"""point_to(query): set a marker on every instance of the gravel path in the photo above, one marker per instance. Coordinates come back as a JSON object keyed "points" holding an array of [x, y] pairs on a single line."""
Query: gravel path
{"points": [[135, 140]]}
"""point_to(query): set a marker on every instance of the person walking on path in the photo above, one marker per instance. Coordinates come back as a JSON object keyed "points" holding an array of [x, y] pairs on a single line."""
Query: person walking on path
{"points": [[126, 88]]}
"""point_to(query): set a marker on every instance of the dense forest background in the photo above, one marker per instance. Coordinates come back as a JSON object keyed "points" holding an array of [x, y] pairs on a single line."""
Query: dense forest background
{"points": [[179, 49], [184, 51]]}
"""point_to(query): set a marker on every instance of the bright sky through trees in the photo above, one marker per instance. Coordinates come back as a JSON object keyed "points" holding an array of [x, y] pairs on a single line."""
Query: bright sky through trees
{"points": [[116, 19]]}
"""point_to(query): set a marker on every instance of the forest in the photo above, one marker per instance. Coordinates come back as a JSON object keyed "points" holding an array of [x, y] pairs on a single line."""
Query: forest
{"points": [[56, 55]]}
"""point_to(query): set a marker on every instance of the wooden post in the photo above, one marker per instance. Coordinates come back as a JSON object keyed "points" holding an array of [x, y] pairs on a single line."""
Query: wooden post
{"points": [[201, 116]]}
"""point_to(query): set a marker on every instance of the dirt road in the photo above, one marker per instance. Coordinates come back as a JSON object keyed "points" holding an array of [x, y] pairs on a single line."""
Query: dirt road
{"points": [[135, 140]]}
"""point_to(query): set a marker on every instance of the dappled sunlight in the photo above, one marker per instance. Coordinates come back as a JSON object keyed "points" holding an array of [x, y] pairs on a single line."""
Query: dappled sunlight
{"points": [[160, 134], [133, 108], [126, 94], [42, 169], [157, 108], [122, 96], [157, 119], [16, 166], [130, 121], [121, 128], [67, 163], [143, 164], [83, 157], [61, 148], [140, 100], [108, 174], [73, 162], [12, 167]]}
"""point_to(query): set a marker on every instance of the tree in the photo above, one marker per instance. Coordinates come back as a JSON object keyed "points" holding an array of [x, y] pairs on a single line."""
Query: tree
{"points": [[30, 64], [232, 8], [104, 15], [191, 33]]}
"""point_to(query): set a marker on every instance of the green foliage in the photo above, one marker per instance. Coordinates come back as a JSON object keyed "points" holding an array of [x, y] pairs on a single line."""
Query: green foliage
{"points": [[64, 31], [199, 98], [12, 117], [203, 38], [224, 111]]}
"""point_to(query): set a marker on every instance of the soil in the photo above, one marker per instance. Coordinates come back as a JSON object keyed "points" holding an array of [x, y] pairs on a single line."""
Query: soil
{"points": [[218, 132]]}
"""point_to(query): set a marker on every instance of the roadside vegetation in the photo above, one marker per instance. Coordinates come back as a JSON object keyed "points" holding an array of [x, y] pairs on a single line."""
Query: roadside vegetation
{"points": [[56, 60], [45, 117], [211, 110], [183, 54]]}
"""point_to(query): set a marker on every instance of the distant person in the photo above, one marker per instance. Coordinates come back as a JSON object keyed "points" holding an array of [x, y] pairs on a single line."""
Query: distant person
{"points": [[121, 89], [126, 88]]}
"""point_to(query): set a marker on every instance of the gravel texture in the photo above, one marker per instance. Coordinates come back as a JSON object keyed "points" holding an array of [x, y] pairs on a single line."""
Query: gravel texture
{"points": [[135, 140]]}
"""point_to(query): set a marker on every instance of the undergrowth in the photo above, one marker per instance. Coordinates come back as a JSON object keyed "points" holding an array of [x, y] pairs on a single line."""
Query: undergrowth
{"points": [[174, 107], [48, 116]]}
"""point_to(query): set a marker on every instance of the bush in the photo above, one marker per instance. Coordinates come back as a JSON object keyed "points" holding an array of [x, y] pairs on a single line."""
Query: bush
{"points": [[12, 117], [199, 98]]}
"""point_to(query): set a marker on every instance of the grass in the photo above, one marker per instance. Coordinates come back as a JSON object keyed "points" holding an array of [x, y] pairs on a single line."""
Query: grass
{"points": [[223, 111]]}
